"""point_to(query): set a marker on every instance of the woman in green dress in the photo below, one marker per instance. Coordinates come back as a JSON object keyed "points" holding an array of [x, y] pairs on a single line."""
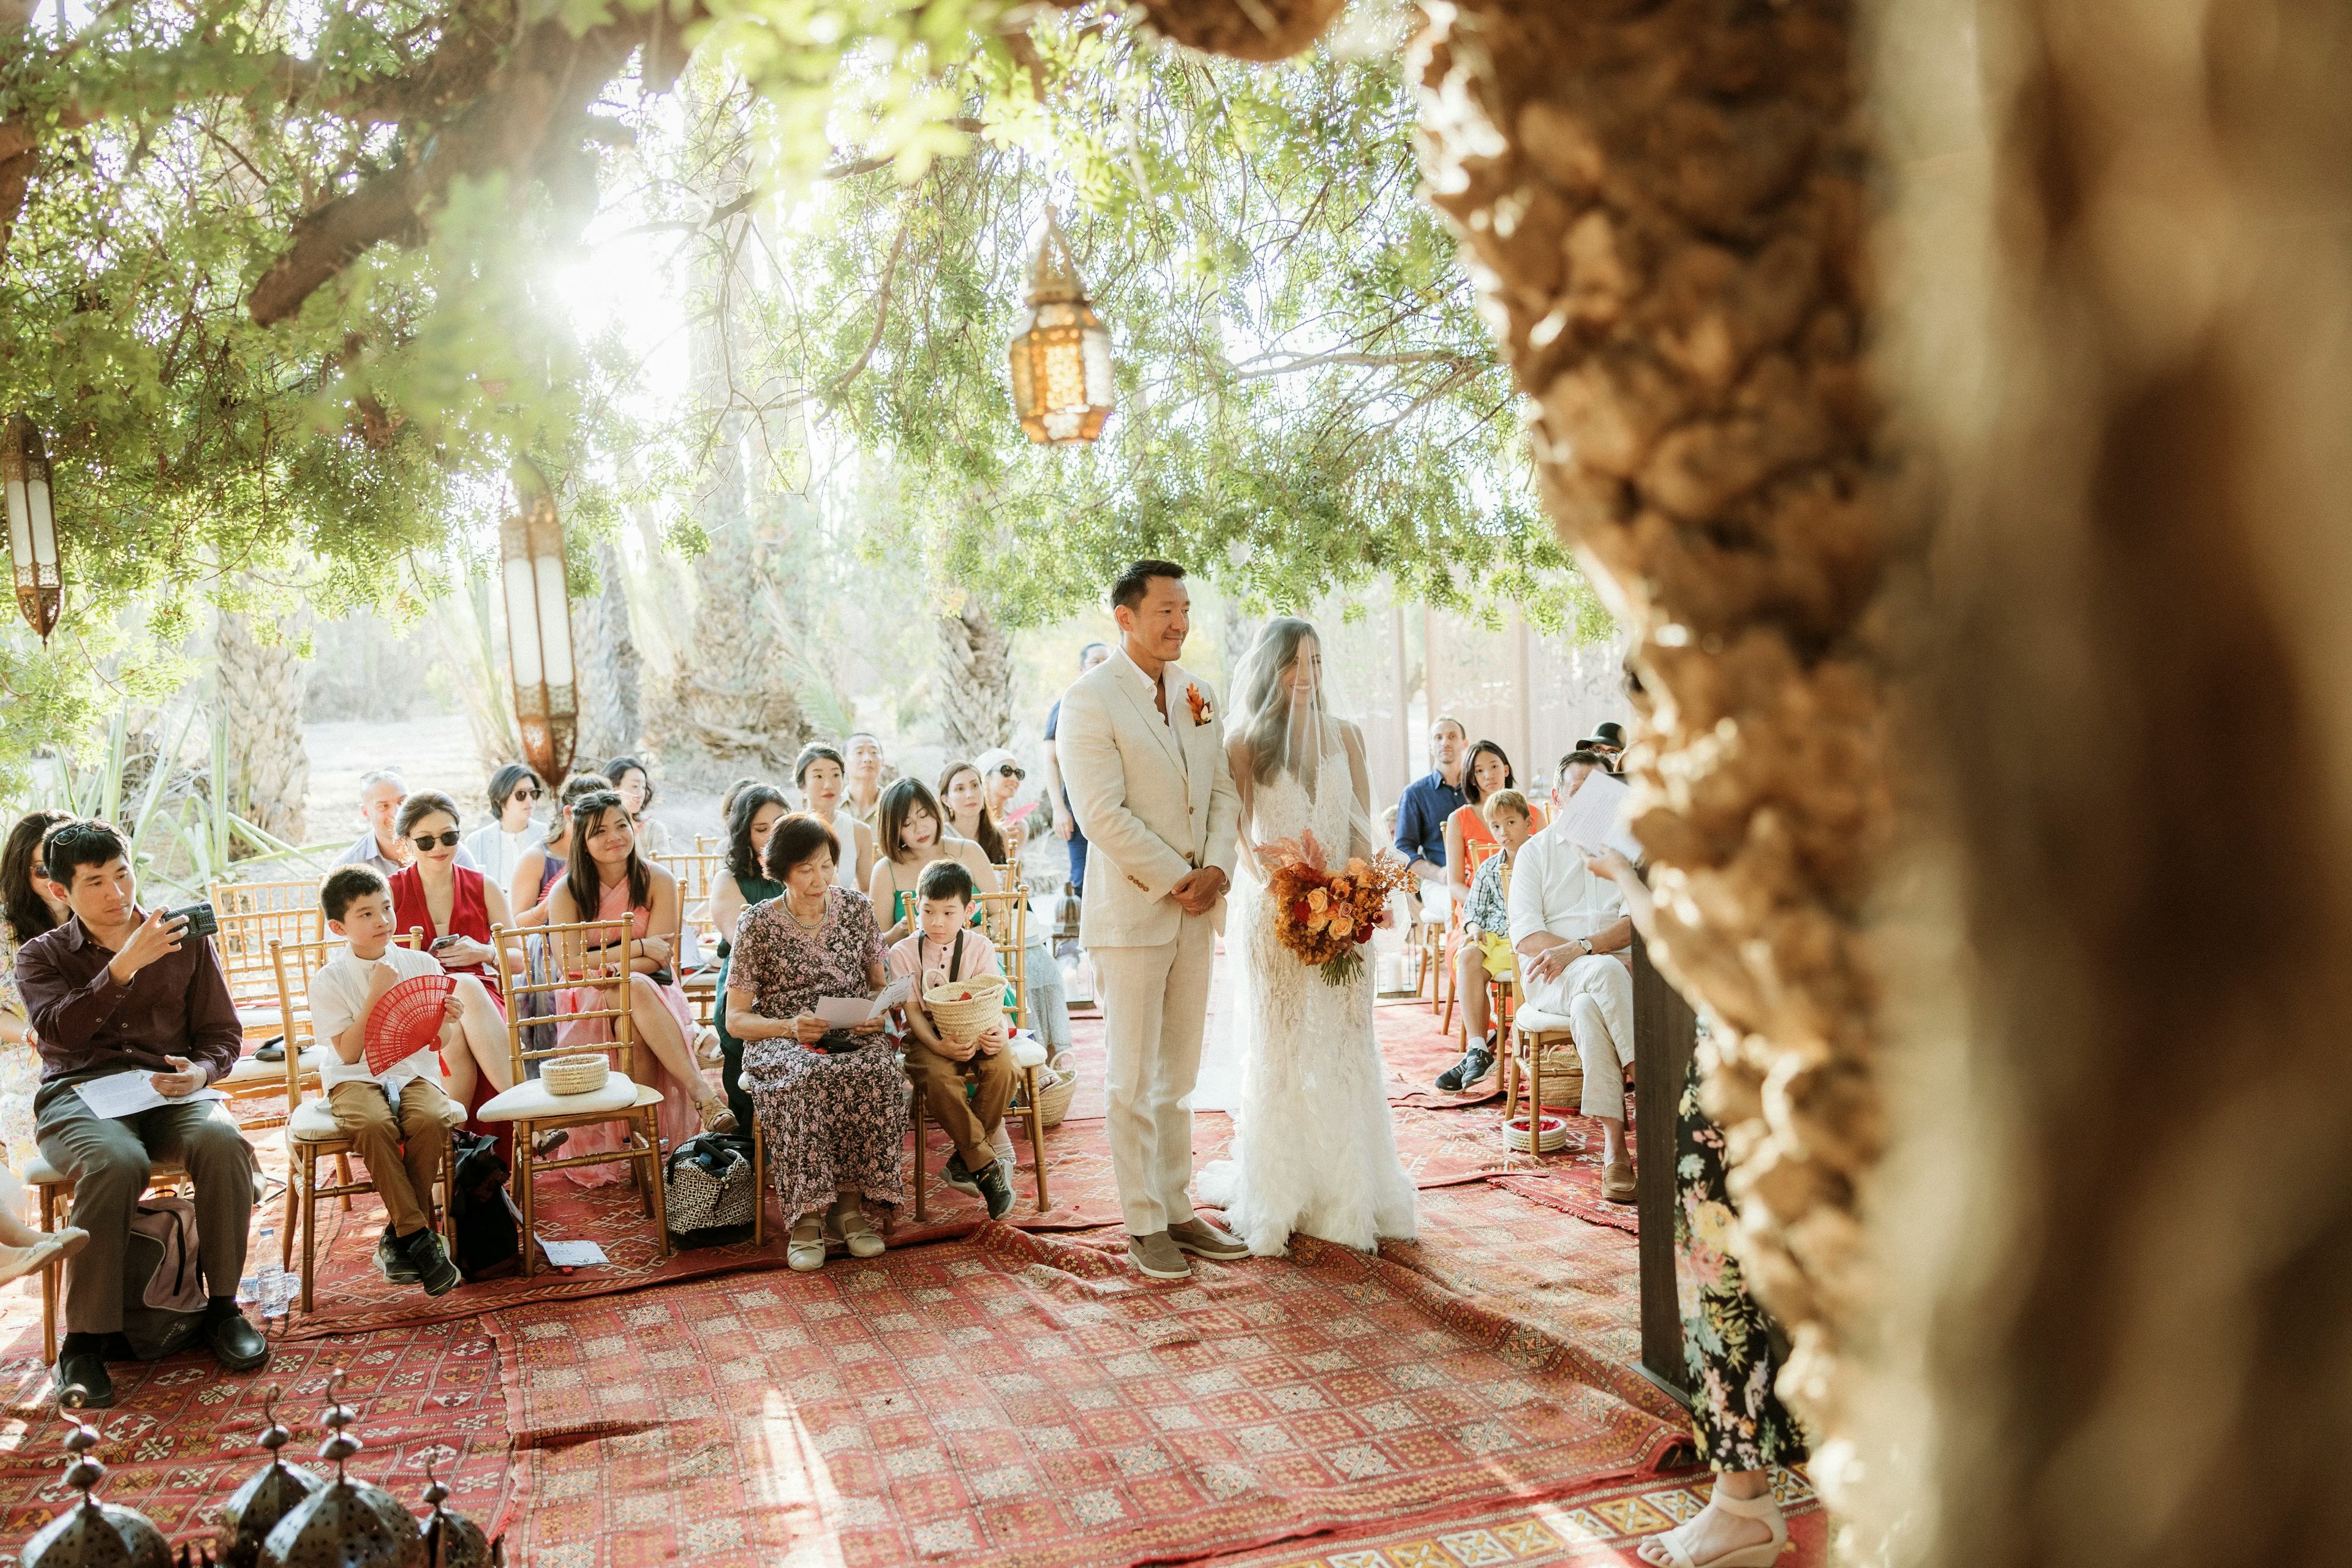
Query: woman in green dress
{"points": [[751, 817], [910, 832]]}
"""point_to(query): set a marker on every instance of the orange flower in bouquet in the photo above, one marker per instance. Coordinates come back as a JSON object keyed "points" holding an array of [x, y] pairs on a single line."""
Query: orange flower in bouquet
{"points": [[1324, 916]]}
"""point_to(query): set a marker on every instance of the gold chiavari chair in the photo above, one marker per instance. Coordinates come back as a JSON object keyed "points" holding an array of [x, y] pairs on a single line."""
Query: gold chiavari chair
{"points": [[698, 877], [1004, 918], [253, 918]]}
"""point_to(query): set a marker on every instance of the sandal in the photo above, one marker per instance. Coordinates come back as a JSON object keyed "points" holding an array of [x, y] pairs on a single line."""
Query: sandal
{"points": [[804, 1251], [849, 1222], [1763, 1508], [716, 1117]]}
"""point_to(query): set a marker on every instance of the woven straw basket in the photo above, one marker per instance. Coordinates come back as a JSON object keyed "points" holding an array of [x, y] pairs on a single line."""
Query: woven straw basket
{"points": [[1553, 1136], [1055, 1092], [1563, 1078], [574, 1075], [963, 1019]]}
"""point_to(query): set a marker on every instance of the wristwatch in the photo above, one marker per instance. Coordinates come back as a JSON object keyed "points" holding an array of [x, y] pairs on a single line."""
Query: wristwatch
{"points": [[1586, 943]]}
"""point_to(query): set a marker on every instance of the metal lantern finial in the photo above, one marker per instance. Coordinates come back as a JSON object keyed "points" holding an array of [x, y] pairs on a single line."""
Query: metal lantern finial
{"points": [[1061, 350], [32, 526], [539, 624]]}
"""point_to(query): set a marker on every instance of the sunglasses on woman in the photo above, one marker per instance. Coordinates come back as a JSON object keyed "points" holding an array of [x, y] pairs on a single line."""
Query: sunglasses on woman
{"points": [[428, 840], [525, 792], [1010, 772]]}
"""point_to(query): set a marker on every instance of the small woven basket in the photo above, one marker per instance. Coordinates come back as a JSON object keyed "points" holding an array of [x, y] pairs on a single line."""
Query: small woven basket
{"points": [[1563, 1078], [961, 1018], [1055, 1092], [574, 1075], [1553, 1135]]}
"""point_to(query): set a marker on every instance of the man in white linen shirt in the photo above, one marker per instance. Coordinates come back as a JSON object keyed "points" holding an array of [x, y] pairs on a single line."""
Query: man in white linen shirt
{"points": [[1571, 931]]}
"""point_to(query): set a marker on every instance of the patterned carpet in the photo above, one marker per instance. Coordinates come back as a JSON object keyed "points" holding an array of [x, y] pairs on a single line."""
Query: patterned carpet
{"points": [[1024, 1399]]}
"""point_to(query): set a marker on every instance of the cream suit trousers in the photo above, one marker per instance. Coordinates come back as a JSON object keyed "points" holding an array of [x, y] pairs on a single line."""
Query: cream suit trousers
{"points": [[1155, 1002], [1595, 994]]}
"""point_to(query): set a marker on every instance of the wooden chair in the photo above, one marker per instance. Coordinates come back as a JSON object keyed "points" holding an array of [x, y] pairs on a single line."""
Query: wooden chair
{"points": [[253, 918], [697, 875], [1533, 1032], [310, 1131], [1004, 917], [533, 1108], [54, 1189], [1478, 855]]}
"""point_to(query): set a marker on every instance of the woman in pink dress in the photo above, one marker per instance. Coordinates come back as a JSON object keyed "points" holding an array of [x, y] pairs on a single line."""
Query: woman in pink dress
{"points": [[606, 876]]}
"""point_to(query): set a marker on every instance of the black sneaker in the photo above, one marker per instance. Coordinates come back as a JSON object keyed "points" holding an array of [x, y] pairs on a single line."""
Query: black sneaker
{"points": [[992, 1186], [393, 1261], [429, 1263], [1476, 1064], [959, 1176]]}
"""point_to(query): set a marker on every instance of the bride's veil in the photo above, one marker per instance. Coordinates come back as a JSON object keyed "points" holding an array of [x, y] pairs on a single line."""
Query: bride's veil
{"points": [[1284, 729]]}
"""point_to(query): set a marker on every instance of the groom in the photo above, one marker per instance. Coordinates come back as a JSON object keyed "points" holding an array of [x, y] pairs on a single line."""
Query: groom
{"points": [[1143, 755]]}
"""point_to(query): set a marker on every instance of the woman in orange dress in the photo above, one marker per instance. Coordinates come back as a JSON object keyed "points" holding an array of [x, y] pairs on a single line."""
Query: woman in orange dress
{"points": [[608, 878], [1487, 771]]}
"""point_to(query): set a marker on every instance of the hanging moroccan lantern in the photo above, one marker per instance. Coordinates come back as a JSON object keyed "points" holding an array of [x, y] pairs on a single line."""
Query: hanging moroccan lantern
{"points": [[539, 624], [32, 526], [1061, 354]]}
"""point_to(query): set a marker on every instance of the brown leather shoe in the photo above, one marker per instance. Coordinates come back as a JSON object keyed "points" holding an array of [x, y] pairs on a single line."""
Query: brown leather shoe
{"points": [[1201, 1240], [1156, 1257], [1617, 1182]]}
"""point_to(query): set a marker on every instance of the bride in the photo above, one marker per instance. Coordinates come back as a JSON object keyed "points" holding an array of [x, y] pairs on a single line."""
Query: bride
{"points": [[1314, 1145]]}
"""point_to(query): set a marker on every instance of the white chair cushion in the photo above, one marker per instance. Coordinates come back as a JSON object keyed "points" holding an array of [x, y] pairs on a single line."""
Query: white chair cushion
{"points": [[40, 1172], [313, 1122], [1026, 1052], [251, 1071], [1535, 1021], [532, 1099], [260, 1017]]}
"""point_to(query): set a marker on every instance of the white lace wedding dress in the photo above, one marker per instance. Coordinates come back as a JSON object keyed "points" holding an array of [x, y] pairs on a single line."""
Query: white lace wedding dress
{"points": [[1314, 1145]]}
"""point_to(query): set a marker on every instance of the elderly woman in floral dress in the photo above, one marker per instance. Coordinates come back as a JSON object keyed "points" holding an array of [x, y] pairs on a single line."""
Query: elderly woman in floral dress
{"points": [[832, 1104]]}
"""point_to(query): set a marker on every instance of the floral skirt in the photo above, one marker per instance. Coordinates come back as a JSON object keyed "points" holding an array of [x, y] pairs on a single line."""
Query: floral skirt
{"points": [[1738, 1421], [833, 1123]]}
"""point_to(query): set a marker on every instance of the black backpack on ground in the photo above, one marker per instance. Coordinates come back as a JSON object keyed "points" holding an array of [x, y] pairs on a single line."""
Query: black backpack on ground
{"points": [[489, 1225]]}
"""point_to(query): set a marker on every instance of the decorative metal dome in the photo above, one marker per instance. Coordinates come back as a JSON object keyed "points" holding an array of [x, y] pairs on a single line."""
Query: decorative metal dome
{"points": [[345, 1523], [451, 1540], [90, 1534], [254, 1509]]}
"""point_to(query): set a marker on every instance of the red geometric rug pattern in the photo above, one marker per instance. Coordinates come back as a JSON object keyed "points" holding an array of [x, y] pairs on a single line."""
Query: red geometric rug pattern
{"points": [[1025, 1399]]}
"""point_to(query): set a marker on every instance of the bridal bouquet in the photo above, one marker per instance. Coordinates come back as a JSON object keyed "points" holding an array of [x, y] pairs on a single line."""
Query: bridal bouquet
{"points": [[1322, 916]]}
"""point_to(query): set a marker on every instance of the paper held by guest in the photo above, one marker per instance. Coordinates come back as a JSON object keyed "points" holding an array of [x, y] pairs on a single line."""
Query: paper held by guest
{"points": [[129, 1093], [1594, 816], [849, 1012]]}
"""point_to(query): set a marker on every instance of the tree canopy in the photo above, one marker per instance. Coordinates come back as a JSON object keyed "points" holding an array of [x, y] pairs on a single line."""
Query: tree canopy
{"points": [[277, 280]]}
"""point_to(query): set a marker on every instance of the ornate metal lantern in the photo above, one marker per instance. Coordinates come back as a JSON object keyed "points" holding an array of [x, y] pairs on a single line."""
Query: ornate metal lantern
{"points": [[32, 526], [539, 624], [90, 1531], [248, 1517], [345, 1523], [1061, 351]]}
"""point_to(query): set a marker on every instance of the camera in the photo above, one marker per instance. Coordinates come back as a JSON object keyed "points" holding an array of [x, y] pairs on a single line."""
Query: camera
{"points": [[200, 919]]}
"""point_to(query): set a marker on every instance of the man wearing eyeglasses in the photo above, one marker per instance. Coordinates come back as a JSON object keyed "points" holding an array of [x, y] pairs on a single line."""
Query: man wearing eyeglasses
{"points": [[380, 845]]}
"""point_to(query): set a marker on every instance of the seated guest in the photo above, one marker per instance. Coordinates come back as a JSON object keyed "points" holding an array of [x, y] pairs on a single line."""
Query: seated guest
{"points": [[605, 879], [1487, 770], [398, 1119], [1609, 742], [1429, 801], [753, 809], [1057, 793], [863, 763], [121, 989], [909, 835], [28, 905], [539, 868], [821, 776], [1048, 1009], [832, 1106], [381, 793], [966, 1082], [1574, 769], [1486, 946], [1570, 932], [454, 910], [964, 795], [500, 844], [635, 786]]}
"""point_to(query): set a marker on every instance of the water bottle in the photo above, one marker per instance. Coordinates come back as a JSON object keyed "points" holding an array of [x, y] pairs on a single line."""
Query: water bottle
{"points": [[270, 1278]]}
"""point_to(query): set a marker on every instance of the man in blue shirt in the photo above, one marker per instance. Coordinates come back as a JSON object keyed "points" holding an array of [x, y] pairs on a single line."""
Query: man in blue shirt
{"points": [[1065, 821], [1427, 801]]}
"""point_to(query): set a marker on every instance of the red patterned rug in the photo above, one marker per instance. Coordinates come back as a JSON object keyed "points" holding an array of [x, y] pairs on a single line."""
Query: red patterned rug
{"points": [[1025, 1399], [179, 1438]]}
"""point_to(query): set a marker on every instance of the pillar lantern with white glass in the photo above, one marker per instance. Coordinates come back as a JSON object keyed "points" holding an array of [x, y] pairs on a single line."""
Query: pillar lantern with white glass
{"points": [[32, 526], [539, 624], [1061, 350]]}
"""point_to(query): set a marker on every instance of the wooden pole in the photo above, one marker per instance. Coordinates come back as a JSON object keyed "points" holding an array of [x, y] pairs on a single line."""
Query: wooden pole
{"points": [[1665, 1035]]}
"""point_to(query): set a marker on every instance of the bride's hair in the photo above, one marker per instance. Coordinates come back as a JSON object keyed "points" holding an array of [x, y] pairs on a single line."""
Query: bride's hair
{"points": [[1266, 729]]}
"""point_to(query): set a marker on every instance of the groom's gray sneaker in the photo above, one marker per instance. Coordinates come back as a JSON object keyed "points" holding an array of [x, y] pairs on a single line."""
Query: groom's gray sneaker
{"points": [[1155, 1256], [1201, 1240]]}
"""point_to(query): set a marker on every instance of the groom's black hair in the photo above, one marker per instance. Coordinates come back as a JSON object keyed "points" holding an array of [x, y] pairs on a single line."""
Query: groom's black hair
{"points": [[1136, 581]]}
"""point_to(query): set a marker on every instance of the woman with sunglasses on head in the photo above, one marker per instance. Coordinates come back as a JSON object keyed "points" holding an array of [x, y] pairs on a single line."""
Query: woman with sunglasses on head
{"points": [[453, 909], [500, 844]]}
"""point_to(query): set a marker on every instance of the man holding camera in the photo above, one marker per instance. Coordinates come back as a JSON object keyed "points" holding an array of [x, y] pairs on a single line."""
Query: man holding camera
{"points": [[118, 989]]}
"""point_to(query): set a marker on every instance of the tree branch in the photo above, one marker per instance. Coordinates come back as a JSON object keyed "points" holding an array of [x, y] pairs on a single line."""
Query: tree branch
{"points": [[881, 318], [1314, 361]]}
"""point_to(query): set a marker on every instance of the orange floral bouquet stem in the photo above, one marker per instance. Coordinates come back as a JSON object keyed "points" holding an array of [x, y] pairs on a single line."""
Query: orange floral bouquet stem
{"points": [[1326, 917]]}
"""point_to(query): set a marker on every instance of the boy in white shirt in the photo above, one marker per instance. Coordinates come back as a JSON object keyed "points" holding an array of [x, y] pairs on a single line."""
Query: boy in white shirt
{"points": [[945, 947], [399, 1118]]}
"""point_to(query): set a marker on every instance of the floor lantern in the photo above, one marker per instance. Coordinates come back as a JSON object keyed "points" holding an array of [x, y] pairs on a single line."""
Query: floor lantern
{"points": [[1061, 353], [538, 626], [32, 526]]}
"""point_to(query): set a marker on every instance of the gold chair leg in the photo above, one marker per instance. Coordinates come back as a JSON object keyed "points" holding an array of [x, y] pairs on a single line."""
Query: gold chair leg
{"points": [[51, 1272], [449, 1193], [1037, 1142], [293, 1218], [654, 1184], [526, 1196], [343, 1178], [310, 1223]]}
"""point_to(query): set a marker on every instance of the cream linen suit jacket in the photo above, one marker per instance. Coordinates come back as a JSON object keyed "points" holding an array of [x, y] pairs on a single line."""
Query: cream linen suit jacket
{"points": [[1154, 797]]}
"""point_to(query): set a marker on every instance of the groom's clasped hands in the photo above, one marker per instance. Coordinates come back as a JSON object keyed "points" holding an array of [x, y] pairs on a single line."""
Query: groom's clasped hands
{"points": [[1196, 893]]}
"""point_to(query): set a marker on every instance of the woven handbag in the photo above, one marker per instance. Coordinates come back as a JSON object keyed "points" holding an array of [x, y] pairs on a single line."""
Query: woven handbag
{"points": [[707, 1185]]}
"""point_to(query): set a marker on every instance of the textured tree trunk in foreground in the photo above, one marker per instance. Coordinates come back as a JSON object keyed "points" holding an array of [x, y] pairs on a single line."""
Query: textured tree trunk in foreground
{"points": [[608, 656], [260, 688], [1662, 207], [975, 682], [2126, 1237]]}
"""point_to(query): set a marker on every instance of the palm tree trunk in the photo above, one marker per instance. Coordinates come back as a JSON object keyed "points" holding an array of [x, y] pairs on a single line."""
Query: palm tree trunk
{"points": [[260, 682], [975, 681], [608, 656]]}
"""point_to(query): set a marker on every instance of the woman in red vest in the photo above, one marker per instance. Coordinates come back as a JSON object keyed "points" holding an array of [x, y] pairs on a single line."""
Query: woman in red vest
{"points": [[453, 909]]}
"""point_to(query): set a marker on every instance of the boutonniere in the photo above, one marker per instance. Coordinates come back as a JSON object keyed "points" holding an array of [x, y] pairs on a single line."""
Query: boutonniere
{"points": [[1198, 701]]}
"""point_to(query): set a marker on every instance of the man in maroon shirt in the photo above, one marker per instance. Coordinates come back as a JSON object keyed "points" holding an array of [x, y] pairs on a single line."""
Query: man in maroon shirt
{"points": [[121, 989]]}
